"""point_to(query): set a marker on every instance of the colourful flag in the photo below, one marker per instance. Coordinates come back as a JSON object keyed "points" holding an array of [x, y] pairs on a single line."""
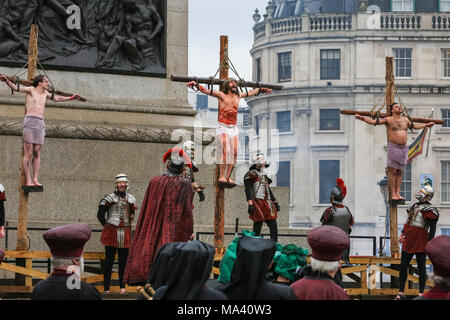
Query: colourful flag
{"points": [[416, 147]]}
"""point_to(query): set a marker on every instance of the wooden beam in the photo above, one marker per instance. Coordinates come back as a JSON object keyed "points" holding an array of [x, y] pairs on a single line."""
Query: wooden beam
{"points": [[384, 115], [222, 80], [23, 271], [29, 83]]}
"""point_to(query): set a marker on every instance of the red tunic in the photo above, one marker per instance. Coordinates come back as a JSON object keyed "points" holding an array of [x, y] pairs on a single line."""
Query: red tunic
{"points": [[2, 196], [416, 238], [165, 216], [312, 288]]}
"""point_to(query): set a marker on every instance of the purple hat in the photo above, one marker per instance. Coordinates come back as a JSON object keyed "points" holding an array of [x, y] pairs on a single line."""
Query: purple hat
{"points": [[438, 250], [327, 243], [2, 254], [67, 240]]}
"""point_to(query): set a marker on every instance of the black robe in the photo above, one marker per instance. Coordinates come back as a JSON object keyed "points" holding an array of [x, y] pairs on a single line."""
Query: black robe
{"points": [[187, 272], [248, 282], [55, 288]]}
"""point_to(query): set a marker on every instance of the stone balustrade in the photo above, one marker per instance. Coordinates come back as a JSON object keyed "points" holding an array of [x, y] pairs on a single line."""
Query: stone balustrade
{"points": [[351, 23]]}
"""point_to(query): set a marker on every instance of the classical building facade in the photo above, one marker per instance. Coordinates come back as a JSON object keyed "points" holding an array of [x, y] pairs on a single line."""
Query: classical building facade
{"points": [[329, 56]]}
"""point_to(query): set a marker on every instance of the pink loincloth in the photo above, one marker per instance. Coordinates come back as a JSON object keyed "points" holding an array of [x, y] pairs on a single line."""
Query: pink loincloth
{"points": [[397, 156], [33, 129]]}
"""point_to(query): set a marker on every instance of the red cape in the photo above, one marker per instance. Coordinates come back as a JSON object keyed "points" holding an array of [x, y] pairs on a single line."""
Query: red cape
{"points": [[165, 216]]}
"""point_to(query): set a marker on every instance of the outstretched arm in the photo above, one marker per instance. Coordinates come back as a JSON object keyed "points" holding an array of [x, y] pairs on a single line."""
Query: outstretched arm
{"points": [[370, 120], [419, 126], [61, 98], [13, 86], [215, 94], [255, 92]]}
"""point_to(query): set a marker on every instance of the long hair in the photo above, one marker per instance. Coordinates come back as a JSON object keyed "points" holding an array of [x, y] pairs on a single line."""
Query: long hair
{"points": [[226, 86]]}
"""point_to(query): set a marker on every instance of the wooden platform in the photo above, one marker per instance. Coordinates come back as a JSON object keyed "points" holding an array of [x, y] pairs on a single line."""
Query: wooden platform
{"points": [[28, 189], [363, 270]]}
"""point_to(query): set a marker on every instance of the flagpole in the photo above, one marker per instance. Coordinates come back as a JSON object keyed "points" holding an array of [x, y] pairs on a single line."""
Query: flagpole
{"points": [[429, 134]]}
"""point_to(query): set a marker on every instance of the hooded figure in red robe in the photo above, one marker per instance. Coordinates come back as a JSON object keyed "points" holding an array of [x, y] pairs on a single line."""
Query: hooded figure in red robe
{"points": [[165, 216]]}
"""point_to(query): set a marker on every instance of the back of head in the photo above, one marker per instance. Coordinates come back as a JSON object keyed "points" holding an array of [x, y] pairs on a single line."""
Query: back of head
{"points": [[188, 270], [159, 269], [327, 243], [67, 241], [254, 256], [438, 250]]}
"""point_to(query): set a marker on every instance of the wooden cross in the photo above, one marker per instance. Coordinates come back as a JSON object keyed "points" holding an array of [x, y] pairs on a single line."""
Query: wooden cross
{"points": [[219, 211], [389, 99]]}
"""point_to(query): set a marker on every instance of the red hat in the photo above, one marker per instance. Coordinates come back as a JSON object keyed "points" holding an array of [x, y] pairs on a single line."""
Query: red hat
{"points": [[2, 254], [438, 250], [68, 240], [177, 153], [327, 243]]}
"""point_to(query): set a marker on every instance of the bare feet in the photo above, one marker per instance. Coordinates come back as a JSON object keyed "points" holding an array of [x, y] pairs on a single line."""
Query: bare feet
{"points": [[230, 181], [122, 291], [222, 180], [36, 183], [30, 184]]}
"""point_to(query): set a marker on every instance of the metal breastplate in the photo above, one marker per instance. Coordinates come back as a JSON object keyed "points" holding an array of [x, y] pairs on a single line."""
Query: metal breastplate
{"points": [[119, 211], [341, 218], [261, 187]]}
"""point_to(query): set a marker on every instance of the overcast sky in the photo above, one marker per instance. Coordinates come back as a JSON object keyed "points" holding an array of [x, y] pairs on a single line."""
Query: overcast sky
{"points": [[208, 20]]}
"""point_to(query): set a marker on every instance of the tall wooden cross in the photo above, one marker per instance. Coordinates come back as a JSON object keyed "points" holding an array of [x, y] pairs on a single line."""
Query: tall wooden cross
{"points": [[219, 212], [389, 99], [22, 241]]}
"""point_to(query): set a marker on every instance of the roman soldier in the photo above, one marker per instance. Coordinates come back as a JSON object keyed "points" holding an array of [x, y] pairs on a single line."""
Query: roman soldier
{"points": [[165, 216], [119, 208], [339, 215], [420, 227], [262, 204], [189, 147]]}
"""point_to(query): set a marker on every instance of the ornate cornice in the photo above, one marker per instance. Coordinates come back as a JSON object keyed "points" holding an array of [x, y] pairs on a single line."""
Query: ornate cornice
{"points": [[94, 131]]}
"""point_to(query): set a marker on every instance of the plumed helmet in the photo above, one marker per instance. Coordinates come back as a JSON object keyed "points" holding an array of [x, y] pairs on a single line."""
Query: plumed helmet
{"points": [[122, 177], [426, 191], [339, 192], [178, 157]]}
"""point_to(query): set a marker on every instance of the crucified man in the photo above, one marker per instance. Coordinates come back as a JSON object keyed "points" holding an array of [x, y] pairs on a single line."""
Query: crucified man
{"points": [[227, 131], [397, 155], [33, 123]]}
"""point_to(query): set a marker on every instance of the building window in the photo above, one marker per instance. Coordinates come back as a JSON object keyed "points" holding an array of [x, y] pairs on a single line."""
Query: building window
{"points": [[202, 102], [445, 63], [445, 231], [330, 119], [246, 120], [328, 173], [284, 121], [258, 69], [284, 66], [405, 190], [284, 174], [257, 125], [403, 5], [403, 62], [445, 180], [446, 117], [444, 6], [330, 64]]}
